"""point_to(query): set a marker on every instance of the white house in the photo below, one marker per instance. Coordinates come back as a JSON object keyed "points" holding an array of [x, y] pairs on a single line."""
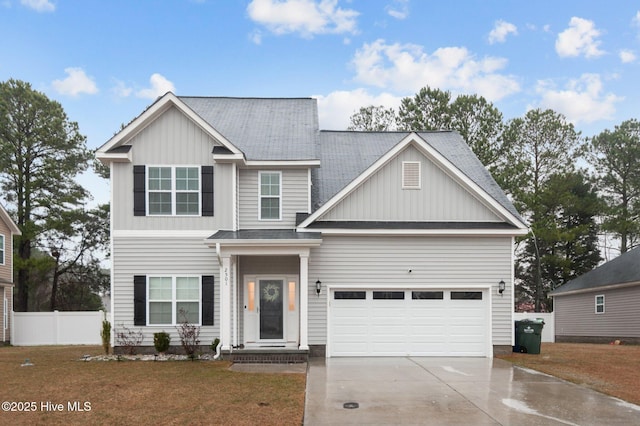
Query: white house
{"points": [[284, 240]]}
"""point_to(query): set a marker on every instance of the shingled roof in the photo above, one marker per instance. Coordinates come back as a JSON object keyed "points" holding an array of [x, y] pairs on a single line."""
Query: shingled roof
{"points": [[624, 269]]}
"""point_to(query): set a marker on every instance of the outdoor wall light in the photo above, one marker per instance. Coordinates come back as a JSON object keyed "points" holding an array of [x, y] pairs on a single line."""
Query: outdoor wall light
{"points": [[501, 287], [318, 287]]}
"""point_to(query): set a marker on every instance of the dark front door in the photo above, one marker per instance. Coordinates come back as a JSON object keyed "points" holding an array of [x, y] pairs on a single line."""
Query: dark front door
{"points": [[271, 309]]}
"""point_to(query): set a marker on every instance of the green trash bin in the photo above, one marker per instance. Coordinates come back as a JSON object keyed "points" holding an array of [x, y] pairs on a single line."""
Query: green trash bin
{"points": [[529, 335]]}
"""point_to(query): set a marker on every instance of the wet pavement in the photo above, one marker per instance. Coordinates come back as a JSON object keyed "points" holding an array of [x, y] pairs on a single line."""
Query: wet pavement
{"points": [[451, 391]]}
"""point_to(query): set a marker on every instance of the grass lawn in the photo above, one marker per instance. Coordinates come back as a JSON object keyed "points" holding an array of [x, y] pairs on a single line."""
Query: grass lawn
{"points": [[610, 369], [142, 392]]}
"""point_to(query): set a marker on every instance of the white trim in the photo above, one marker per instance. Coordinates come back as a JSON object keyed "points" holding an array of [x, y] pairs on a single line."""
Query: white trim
{"points": [[4, 216], [160, 233], [154, 111], [309, 189], [596, 304], [234, 196], [283, 164], [438, 160], [439, 232], [115, 157], [279, 196]]}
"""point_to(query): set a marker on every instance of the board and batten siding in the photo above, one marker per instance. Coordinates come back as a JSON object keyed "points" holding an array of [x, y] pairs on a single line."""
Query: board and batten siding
{"points": [[173, 139], [382, 198], [575, 314], [157, 256], [435, 262], [295, 198]]}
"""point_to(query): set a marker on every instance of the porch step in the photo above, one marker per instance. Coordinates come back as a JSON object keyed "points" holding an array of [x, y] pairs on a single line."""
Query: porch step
{"points": [[266, 356]]}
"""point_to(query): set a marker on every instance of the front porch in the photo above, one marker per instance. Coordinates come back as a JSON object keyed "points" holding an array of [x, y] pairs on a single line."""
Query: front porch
{"points": [[264, 291]]}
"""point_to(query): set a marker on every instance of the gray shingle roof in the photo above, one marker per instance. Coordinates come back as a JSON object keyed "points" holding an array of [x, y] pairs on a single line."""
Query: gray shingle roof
{"points": [[263, 128], [621, 270]]}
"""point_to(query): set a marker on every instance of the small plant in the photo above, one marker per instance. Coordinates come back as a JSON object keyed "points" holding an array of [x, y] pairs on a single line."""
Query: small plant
{"points": [[214, 344], [105, 333], [129, 339], [161, 341], [189, 335]]}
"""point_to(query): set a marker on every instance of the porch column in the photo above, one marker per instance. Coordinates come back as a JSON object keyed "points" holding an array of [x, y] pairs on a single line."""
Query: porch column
{"points": [[225, 303], [304, 302]]}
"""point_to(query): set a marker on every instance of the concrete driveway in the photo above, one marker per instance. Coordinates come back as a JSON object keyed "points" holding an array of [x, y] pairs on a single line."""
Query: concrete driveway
{"points": [[451, 391]]}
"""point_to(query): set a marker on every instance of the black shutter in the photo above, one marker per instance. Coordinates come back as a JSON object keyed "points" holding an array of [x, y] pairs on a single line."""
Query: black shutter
{"points": [[139, 182], [139, 300], [207, 190], [207, 299]]}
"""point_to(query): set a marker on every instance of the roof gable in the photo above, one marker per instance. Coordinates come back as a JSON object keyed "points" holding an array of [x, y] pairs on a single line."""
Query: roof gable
{"points": [[4, 217], [349, 158], [624, 269]]}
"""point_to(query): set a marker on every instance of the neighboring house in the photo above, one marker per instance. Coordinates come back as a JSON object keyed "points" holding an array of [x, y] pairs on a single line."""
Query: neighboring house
{"points": [[7, 230], [277, 237], [601, 305]]}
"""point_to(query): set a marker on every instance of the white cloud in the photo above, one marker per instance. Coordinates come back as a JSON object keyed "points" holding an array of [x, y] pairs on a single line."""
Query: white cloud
{"points": [[305, 17], [581, 38], [627, 56], [76, 83], [407, 68], [335, 108], [159, 86], [581, 101], [121, 90], [39, 5], [500, 31], [398, 9]]}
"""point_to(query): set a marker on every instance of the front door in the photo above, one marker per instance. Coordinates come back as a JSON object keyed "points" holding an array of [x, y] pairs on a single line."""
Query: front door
{"points": [[270, 310]]}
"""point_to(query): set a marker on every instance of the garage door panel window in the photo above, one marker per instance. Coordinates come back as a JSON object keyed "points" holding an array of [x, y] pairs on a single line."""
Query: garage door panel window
{"points": [[466, 295], [350, 295], [427, 295], [388, 295]]}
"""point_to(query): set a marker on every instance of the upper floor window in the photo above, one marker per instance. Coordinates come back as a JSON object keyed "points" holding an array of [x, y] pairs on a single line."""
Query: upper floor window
{"points": [[600, 304], [270, 195], [2, 249], [173, 190]]}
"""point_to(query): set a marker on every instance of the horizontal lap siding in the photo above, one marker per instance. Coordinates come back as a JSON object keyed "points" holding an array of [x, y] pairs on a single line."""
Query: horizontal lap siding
{"points": [[295, 199], [152, 256], [436, 262], [575, 314]]}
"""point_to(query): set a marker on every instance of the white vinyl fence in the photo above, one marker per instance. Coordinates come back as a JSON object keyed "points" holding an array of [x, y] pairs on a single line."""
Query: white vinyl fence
{"points": [[56, 328], [549, 329]]}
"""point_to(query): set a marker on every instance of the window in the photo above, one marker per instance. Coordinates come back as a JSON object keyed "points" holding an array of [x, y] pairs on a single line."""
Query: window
{"points": [[411, 175], [427, 295], [466, 295], [382, 295], [353, 295], [172, 300], [270, 195], [173, 190], [2, 249], [600, 304]]}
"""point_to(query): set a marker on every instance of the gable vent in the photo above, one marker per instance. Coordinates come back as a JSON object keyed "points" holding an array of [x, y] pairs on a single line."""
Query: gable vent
{"points": [[410, 175]]}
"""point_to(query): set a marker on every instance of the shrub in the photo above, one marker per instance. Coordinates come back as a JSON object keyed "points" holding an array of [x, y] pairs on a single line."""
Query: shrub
{"points": [[161, 341], [189, 335], [214, 344], [105, 333], [129, 339]]}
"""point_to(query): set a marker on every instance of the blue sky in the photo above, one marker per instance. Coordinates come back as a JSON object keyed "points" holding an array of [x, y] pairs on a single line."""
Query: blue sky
{"points": [[105, 61]]}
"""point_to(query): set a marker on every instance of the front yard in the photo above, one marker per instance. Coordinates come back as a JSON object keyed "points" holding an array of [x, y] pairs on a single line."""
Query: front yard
{"points": [[59, 388], [610, 369]]}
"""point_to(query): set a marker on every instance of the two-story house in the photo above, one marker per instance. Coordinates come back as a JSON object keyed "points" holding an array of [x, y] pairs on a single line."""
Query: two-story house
{"points": [[243, 217], [7, 230]]}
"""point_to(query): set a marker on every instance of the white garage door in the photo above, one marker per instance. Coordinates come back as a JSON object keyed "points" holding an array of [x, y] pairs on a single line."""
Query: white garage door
{"points": [[410, 322]]}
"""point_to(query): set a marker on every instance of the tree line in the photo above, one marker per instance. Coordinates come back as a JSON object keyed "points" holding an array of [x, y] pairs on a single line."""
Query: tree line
{"points": [[569, 188], [57, 259]]}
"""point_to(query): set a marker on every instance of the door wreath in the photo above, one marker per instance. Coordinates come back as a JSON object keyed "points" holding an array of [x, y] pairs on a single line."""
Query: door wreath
{"points": [[270, 293]]}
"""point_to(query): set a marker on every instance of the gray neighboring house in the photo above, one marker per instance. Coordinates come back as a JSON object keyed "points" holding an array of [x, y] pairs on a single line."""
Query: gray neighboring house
{"points": [[602, 305], [286, 241], [8, 229]]}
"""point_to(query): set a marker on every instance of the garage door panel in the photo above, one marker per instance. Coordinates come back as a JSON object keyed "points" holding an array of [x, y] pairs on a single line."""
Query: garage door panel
{"points": [[424, 326]]}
